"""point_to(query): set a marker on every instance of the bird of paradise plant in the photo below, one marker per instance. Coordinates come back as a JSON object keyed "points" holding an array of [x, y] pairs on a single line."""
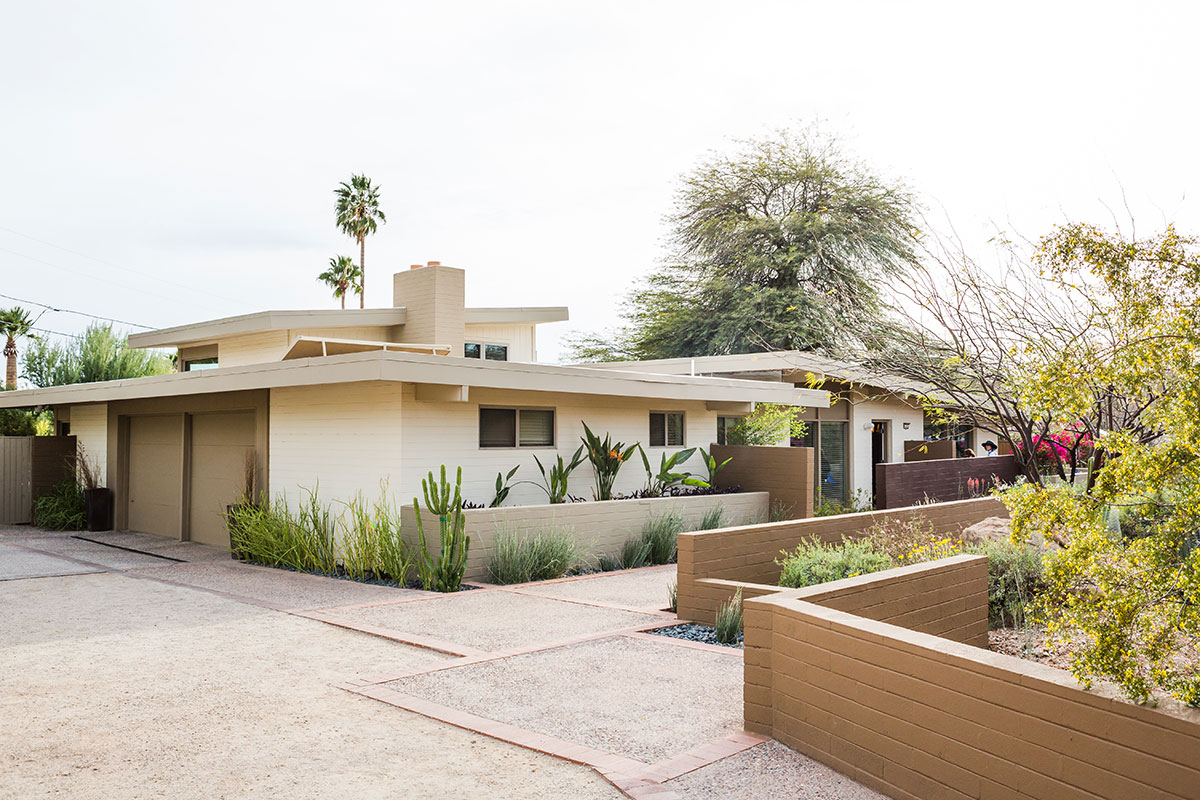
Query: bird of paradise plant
{"points": [[606, 457]]}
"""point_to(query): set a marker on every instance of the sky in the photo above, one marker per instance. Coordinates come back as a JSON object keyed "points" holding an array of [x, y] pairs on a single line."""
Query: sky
{"points": [[164, 163]]}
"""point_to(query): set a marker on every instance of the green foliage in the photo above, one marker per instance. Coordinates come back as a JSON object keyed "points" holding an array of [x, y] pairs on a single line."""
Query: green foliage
{"points": [[779, 246], [274, 535], [814, 562], [99, 355], [712, 466], [634, 553], [729, 619], [606, 457], [503, 487], [829, 507], [768, 425], [371, 544], [1129, 604], [780, 512], [18, 422], [358, 216], [62, 508], [342, 276], [555, 480], [658, 483], [661, 535], [1015, 582], [713, 518], [540, 556], [443, 572], [607, 563]]}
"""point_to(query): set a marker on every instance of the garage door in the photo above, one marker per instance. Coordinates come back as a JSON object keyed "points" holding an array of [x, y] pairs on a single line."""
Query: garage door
{"points": [[155, 474], [219, 446]]}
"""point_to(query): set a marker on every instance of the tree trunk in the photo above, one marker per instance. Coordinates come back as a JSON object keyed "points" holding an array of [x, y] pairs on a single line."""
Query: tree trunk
{"points": [[10, 373], [362, 267], [343, 300]]}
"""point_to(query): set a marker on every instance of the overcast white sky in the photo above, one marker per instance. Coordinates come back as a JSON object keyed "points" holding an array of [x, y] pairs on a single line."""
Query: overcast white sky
{"points": [[175, 161]]}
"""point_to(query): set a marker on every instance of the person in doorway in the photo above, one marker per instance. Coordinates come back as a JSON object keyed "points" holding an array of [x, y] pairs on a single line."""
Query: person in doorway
{"points": [[989, 448]]}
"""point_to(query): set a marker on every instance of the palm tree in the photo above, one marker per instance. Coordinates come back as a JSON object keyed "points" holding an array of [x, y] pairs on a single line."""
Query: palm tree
{"points": [[14, 324], [342, 276], [358, 215]]}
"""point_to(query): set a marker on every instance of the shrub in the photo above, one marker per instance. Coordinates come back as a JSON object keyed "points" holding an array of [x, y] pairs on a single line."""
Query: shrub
{"points": [[372, 547], [634, 553], [1015, 581], [62, 508], [661, 536], [540, 556], [273, 535], [905, 540], [780, 511], [814, 562], [713, 518], [607, 563], [828, 507], [729, 619], [606, 457]]}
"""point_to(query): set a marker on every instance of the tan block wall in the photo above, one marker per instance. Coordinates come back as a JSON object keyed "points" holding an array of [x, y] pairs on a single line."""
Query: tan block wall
{"points": [[434, 300], [747, 554], [89, 426], [784, 472], [917, 716], [600, 528]]}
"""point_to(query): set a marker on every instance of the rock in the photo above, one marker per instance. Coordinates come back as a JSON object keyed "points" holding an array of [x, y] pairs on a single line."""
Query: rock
{"points": [[992, 529]]}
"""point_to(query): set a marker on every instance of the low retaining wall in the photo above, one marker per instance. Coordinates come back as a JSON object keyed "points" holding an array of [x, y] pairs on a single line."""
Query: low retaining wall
{"points": [[714, 564], [915, 715], [601, 528], [786, 473], [907, 483]]}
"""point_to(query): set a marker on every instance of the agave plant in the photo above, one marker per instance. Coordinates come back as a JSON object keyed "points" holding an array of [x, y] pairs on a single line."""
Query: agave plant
{"points": [[606, 457]]}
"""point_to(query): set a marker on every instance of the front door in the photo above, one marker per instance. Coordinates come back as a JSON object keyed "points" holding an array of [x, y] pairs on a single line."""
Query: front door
{"points": [[879, 432]]}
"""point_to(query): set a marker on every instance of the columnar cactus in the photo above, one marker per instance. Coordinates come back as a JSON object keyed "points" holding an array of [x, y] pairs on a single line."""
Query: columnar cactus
{"points": [[444, 572]]}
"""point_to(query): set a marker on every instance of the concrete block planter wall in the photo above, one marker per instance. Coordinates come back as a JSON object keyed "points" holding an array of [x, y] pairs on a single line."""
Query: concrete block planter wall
{"points": [[600, 528]]}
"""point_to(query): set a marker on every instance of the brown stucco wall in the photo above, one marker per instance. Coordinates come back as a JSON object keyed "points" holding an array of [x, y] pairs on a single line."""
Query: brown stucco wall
{"points": [[941, 480], [925, 450], [53, 460], [784, 472], [915, 715], [712, 564]]}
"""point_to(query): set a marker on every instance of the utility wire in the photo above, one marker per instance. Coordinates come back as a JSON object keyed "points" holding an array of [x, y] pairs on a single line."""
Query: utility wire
{"points": [[80, 313]]}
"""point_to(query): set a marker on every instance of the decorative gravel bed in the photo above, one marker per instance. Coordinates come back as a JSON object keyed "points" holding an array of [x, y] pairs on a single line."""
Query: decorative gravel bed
{"points": [[696, 633]]}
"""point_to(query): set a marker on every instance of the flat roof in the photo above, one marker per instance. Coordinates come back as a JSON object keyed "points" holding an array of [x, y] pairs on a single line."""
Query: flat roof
{"points": [[380, 365], [209, 331], [781, 361]]}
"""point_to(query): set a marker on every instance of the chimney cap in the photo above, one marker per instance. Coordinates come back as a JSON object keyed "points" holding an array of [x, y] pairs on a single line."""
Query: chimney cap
{"points": [[434, 264], [414, 266]]}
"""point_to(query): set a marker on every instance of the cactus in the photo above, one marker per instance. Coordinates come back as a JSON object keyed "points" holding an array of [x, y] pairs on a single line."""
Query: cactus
{"points": [[444, 572]]}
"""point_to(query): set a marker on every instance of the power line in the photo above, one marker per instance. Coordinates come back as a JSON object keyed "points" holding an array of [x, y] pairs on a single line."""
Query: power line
{"points": [[80, 313]]}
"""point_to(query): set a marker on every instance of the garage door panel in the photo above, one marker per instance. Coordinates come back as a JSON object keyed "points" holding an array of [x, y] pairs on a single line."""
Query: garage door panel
{"points": [[155, 474], [218, 451]]}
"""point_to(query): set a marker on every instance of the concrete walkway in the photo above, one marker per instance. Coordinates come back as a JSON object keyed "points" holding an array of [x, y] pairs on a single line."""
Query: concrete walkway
{"points": [[166, 668]]}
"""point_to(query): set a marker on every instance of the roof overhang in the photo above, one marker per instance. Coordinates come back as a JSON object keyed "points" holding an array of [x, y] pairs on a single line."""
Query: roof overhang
{"points": [[788, 365], [380, 365], [314, 346], [213, 330]]}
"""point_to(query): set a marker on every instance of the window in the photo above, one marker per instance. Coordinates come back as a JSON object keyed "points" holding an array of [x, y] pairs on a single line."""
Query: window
{"points": [[666, 429], [194, 364], [832, 466], [492, 352], [725, 426], [516, 427]]}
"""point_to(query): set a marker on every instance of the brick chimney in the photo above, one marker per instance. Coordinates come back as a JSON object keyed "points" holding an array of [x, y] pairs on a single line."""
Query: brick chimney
{"points": [[434, 297]]}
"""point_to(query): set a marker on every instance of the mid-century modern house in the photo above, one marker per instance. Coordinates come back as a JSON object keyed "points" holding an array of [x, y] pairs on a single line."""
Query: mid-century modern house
{"points": [[869, 420], [344, 400]]}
